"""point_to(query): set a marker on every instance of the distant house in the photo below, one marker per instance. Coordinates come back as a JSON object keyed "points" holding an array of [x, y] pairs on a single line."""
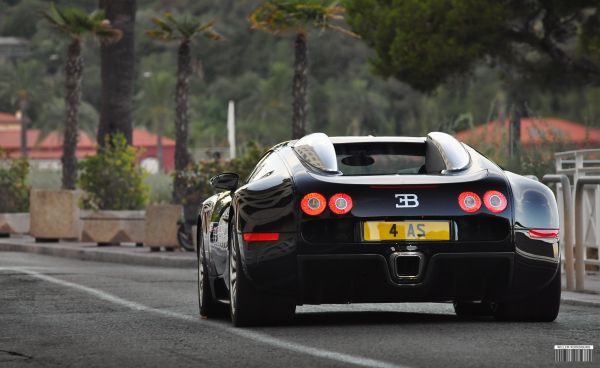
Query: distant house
{"points": [[13, 47], [534, 131], [9, 122], [47, 152]]}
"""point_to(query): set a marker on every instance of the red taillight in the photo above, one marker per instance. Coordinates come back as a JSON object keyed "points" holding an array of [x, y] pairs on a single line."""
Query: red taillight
{"points": [[313, 204], [340, 203], [469, 201], [256, 237], [494, 201], [543, 233]]}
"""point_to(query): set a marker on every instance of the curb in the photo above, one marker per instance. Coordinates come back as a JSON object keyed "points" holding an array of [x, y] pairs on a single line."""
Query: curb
{"points": [[96, 255], [581, 300]]}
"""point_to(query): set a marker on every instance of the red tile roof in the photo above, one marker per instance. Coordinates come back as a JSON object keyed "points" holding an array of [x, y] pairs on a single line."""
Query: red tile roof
{"points": [[51, 146], [143, 138], [8, 118], [533, 131]]}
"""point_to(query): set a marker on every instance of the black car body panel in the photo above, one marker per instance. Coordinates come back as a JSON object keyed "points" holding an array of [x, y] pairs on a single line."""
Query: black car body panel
{"points": [[326, 259]]}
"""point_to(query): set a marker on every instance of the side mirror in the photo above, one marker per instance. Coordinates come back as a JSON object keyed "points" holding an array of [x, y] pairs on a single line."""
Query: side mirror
{"points": [[225, 181]]}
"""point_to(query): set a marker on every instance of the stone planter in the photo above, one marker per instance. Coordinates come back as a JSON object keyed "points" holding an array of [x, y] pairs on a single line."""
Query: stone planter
{"points": [[161, 226], [54, 214], [14, 223], [112, 227]]}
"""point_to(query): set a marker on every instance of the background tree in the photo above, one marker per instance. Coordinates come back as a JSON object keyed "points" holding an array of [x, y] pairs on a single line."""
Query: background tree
{"points": [[75, 23], [20, 82], [298, 17], [118, 72], [154, 107], [183, 29], [536, 43]]}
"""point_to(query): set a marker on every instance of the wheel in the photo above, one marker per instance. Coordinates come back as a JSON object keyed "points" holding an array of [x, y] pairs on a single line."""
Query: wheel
{"points": [[184, 238], [207, 305], [248, 306], [542, 306], [472, 309]]}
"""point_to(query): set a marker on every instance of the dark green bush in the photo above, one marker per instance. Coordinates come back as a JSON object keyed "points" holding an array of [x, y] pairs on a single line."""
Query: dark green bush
{"points": [[198, 174], [14, 193], [113, 180]]}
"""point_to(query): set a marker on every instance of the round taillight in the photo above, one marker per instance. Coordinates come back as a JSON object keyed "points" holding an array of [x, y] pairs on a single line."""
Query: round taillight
{"points": [[340, 203], [469, 201], [313, 204], [495, 201]]}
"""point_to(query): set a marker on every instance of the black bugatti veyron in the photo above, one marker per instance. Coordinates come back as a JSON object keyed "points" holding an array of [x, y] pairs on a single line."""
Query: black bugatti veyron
{"points": [[376, 220]]}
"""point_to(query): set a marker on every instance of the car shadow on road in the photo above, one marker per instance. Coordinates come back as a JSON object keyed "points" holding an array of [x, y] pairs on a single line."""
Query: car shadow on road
{"points": [[379, 317]]}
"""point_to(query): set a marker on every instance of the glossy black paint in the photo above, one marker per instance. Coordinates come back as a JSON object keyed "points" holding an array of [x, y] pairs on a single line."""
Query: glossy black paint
{"points": [[323, 259]]}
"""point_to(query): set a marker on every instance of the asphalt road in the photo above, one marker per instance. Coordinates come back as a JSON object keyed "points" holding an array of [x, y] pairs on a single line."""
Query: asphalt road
{"points": [[62, 312]]}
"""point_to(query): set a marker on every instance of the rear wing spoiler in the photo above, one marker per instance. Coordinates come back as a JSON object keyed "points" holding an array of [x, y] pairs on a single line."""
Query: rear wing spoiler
{"points": [[444, 154]]}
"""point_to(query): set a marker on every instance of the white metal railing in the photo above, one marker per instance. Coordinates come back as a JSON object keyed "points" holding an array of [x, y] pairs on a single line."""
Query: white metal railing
{"points": [[583, 214], [579, 207], [578, 163], [566, 216]]}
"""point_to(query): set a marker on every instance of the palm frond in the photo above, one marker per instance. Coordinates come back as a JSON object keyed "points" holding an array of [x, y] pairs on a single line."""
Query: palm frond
{"points": [[278, 16], [76, 22], [173, 27]]}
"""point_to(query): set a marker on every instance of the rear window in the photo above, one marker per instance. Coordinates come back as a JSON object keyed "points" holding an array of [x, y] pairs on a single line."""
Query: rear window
{"points": [[357, 159]]}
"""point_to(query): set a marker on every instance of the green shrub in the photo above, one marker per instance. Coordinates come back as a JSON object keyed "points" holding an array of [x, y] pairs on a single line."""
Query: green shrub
{"points": [[112, 180], [14, 192], [197, 175]]}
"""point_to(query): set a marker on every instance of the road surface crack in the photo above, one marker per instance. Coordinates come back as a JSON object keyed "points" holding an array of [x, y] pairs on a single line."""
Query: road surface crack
{"points": [[16, 354]]}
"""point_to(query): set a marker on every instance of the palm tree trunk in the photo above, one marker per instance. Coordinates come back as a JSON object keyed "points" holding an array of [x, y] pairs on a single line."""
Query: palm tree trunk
{"points": [[518, 111], [182, 158], [117, 72], [300, 87], [73, 73], [23, 104]]}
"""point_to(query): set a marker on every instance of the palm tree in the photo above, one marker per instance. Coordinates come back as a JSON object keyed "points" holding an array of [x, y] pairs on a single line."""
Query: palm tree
{"points": [[154, 109], [298, 17], [20, 83], [75, 24], [183, 29], [117, 61]]}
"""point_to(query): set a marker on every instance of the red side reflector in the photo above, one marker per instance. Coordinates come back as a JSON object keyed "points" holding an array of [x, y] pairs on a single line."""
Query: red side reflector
{"points": [[543, 233], [256, 237]]}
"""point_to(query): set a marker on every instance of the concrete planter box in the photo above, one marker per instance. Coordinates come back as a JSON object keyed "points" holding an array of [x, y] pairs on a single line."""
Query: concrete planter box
{"points": [[54, 214], [112, 227], [161, 226], [14, 223]]}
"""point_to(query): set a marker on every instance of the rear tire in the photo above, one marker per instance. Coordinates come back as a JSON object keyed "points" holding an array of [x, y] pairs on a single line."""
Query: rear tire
{"points": [[184, 238], [207, 305], [472, 309], [542, 306], [248, 306]]}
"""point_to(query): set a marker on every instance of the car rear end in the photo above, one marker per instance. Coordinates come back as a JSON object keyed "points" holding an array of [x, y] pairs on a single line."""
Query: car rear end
{"points": [[385, 229]]}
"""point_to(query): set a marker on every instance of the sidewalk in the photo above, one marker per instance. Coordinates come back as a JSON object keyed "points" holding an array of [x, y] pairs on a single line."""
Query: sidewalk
{"points": [[591, 295], [128, 254]]}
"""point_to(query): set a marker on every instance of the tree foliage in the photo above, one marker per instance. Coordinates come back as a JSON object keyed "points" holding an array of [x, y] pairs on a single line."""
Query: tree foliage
{"points": [[113, 179], [75, 22], [426, 42], [14, 192], [298, 16], [181, 28]]}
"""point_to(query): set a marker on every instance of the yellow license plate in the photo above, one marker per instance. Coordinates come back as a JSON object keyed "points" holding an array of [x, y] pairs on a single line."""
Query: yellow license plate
{"points": [[406, 230]]}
